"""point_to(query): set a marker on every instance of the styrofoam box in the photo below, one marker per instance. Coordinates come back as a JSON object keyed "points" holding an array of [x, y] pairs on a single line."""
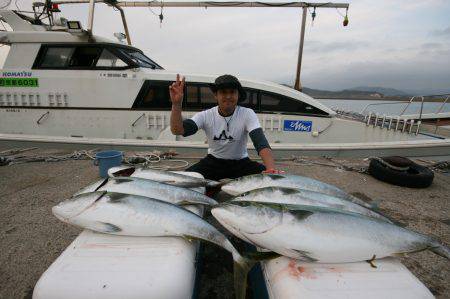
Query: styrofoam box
{"points": [[288, 278], [100, 266]]}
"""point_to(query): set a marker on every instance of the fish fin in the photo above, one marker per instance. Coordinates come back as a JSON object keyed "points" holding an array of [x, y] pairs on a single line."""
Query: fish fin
{"points": [[105, 181], [214, 184], [303, 255], [124, 172], [301, 214], [261, 255], [441, 249], [241, 267], [120, 180], [375, 205], [191, 238], [105, 227], [371, 261], [275, 176], [115, 197], [287, 191], [185, 185]]}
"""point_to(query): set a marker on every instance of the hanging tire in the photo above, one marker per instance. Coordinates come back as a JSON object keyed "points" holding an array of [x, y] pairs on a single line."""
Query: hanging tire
{"points": [[412, 174]]}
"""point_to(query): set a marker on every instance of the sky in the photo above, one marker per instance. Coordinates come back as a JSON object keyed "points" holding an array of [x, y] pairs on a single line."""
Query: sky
{"points": [[394, 44]]}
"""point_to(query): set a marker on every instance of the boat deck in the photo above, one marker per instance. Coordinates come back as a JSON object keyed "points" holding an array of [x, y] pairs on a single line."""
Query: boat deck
{"points": [[32, 238]]}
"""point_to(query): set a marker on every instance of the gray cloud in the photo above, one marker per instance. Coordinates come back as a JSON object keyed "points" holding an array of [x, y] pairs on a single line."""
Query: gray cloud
{"points": [[440, 32], [431, 45], [348, 46]]}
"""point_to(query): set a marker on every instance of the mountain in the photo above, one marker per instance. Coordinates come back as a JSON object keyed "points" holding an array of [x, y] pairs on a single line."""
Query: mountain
{"points": [[385, 91], [343, 94]]}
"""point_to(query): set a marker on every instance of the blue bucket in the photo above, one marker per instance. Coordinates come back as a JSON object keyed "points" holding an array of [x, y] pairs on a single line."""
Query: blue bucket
{"points": [[107, 159]]}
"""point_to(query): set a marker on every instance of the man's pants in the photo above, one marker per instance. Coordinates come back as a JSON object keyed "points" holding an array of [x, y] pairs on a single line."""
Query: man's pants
{"points": [[215, 169]]}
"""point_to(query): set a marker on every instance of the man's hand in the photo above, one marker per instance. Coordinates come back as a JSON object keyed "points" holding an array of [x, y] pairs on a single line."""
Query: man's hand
{"points": [[176, 91], [273, 171]]}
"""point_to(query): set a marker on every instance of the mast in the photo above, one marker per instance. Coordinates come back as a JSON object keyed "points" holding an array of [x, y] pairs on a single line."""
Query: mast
{"points": [[221, 4]]}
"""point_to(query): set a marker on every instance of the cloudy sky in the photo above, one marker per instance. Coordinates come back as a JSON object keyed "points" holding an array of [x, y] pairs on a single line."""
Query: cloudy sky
{"points": [[389, 43]]}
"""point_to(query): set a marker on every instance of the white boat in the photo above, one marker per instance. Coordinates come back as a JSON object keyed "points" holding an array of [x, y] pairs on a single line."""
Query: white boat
{"points": [[62, 86]]}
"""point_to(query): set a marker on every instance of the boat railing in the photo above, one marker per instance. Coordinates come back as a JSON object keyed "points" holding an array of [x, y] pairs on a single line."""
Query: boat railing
{"points": [[408, 103], [401, 122]]}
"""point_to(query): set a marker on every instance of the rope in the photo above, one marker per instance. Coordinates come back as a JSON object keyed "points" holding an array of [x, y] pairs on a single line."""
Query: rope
{"points": [[151, 160], [335, 164]]}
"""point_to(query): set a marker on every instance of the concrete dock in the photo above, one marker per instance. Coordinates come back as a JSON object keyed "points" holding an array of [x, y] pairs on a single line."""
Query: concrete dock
{"points": [[31, 238]]}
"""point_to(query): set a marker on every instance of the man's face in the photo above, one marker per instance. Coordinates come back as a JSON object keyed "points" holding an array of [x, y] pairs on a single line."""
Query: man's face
{"points": [[227, 99]]}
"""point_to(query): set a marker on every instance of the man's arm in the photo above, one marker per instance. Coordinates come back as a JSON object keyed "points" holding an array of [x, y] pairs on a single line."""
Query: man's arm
{"points": [[176, 91], [267, 157], [263, 148], [176, 121]]}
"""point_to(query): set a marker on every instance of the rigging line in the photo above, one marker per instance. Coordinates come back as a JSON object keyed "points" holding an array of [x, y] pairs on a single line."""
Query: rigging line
{"points": [[224, 4], [339, 12], [275, 4]]}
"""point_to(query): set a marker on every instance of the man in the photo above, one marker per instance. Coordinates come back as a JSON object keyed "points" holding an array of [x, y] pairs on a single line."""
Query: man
{"points": [[226, 126]]}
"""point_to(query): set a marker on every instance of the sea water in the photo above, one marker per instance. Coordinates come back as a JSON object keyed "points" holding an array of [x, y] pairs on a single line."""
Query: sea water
{"points": [[387, 107]]}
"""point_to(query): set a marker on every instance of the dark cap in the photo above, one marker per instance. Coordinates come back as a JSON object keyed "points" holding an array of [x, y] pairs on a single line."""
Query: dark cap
{"points": [[229, 81]]}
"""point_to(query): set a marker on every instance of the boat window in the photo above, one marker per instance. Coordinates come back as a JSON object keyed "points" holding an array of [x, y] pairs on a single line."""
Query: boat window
{"points": [[251, 101], [85, 57], [57, 57], [192, 95], [277, 103], [140, 59], [155, 95], [109, 60], [207, 96], [199, 96]]}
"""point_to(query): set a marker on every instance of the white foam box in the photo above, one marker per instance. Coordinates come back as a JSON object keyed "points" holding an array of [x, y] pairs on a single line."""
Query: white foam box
{"points": [[100, 266], [287, 278]]}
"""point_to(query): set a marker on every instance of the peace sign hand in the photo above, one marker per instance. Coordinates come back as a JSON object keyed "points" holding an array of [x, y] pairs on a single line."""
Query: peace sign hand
{"points": [[176, 91]]}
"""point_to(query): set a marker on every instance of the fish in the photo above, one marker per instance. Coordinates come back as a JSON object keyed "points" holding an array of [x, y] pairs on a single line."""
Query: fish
{"points": [[143, 187], [162, 176], [291, 196], [132, 215], [257, 181], [323, 235]]}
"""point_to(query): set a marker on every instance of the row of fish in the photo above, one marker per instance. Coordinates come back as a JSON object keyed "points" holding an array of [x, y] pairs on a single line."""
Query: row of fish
{"points": [[290, 215]]}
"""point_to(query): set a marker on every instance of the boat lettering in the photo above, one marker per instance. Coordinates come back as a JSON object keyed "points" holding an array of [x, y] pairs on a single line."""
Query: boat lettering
{"points": [[114, 75], [17, 74], [297, 125], [12, 110], [19, 82]]}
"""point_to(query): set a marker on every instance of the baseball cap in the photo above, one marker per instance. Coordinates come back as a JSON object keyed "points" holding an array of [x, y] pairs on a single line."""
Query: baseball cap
{"points": [[229, 81]]}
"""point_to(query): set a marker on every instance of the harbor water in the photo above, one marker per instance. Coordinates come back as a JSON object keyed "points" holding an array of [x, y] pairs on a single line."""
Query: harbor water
{"points": [[388, 107]]}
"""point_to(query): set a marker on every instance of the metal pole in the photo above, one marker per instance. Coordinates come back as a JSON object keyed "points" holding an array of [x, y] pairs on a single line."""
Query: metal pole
{"points": [[297, 84], [125, 26], [91, 16]]}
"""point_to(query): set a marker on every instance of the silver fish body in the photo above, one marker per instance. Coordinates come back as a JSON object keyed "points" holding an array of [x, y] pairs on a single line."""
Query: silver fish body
{"points": [[144, 187], [290, 196], [131, 215], [162, 176], [321, 235], [257, 181]]}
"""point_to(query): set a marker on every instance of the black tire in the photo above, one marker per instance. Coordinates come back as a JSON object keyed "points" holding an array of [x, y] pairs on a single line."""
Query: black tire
{"points": [[399, 161], [416, 176]]}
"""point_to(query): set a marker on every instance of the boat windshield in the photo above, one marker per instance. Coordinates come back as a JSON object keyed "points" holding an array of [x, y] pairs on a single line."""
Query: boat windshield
{"points": [[140, 59]]}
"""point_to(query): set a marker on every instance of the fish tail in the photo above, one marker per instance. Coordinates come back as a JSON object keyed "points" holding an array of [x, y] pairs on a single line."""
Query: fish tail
{"points": [[211, 183], [242, 266], [441, 249]]}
